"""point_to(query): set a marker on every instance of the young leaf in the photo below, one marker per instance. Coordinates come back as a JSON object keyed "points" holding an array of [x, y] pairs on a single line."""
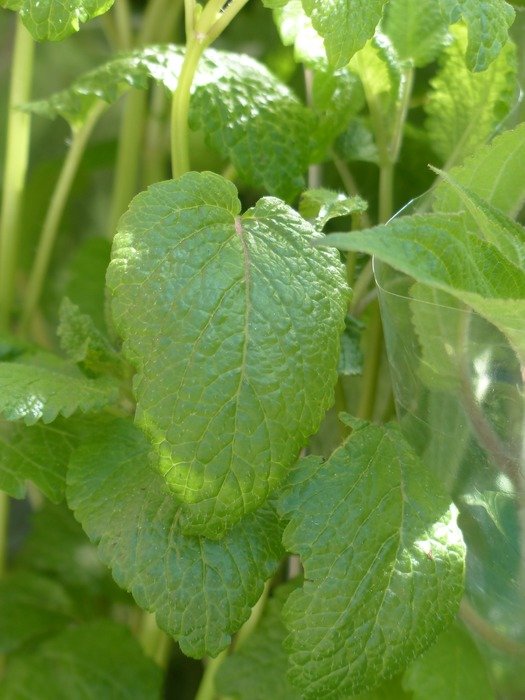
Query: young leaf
{"points": [[33, 393], [452, 668], [321, 206], [465, 108], [488, 25], [31, 606], [416, 29], [54, 20], [95, 660], [246, 113], [200, 590], [377, 596], [233, 325], [295, 28], [345, 26]]}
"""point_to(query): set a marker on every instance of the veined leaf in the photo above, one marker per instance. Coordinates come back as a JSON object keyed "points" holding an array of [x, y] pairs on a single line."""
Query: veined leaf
{"points": [[320, 205], [233, 325], [94, 660], [488, 25], [55, 20], [452, 668], [495, 172], [383, 563], [246, 113], [33, 393], [200, 590], [345, 26], [416, 29], [465, 108]]}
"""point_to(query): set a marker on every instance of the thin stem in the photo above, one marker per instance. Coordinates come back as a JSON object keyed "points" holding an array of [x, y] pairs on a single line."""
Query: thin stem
{"points": [[206, 689], [349, 183], [159, 19], [4, 520], [374, 347], [15, 166], [386, 192], [155, 161], [405, 93], [251, 623], [225, 18], [485, 630], [189, 18], [154, 642], [123, 24], [362, 285], [54, 213]]}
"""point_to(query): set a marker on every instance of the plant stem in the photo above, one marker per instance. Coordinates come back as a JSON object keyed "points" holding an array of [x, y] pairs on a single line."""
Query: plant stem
{"points": [[54, 213], [123, 28], [154, 642], [206, 689], [251, 623], [4, 519], [159, 19], [15, 166], [485, 630], [374, 348], [225, 18]]}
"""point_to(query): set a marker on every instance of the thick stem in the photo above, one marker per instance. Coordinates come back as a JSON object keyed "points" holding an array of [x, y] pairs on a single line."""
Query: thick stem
{"points": [[54, 214], [123, 24], [374, 347], [15, 167]]}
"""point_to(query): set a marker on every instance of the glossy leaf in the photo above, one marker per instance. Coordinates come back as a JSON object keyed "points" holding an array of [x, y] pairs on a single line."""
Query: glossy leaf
{"points": [[233, 325], [295, 29], [321, 206], [95, 660], [464, 108], [55, 20], [201, 591], [416, 29], [378, 596]]}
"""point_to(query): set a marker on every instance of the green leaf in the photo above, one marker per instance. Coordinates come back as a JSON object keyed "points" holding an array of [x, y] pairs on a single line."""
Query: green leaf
{"points": [[200, 590], [33, 393], [465, 108], [257, 671], [351, 358], [452, 668], [295, 29], [377, 596], [38, 453], [233, 325], [54, 20], [345, 26], [95, 660], [319, 206], [416, 29], [31, 606], [488, 25], [246, 113], [495, 172]]}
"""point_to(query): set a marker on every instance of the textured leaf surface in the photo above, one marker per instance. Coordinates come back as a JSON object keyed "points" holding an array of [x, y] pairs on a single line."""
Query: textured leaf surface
{"points": [[465, 108], [488, 23], [37, 453], [95, 660], [452, 669], [495, 172], [246, 114], [416, 29], [31, 606], [321, 205], [377, 596], [54, 20], [233, 325], [344, 25], [200, 590], [35, 393]]}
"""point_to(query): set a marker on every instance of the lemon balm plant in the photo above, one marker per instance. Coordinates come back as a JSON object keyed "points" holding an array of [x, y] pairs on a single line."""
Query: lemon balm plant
{"points": [[199, 454]]}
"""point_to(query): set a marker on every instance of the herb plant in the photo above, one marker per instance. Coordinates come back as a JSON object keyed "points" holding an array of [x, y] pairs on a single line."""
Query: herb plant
{"points": [[199, 450]]}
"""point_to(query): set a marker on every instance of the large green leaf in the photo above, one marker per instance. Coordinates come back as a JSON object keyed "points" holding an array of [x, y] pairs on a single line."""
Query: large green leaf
{"points": [[382, 558], [416, 29], [246, 113], [33, 392], [451, 669], [95, 660], [233, 325], [200, 590], [464, 108], [345, 25], [488, 23], [54, 20]]}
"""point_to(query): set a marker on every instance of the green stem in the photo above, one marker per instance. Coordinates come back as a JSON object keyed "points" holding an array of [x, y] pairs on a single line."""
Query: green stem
{"points": [[374, 348], [155, 161], [128, 156], [206, 689], [4, 519], [386, 192], [15, 167], [54, 213], [362, 285], [159, 19], [124, 33], [225, 18], [155, 643]]}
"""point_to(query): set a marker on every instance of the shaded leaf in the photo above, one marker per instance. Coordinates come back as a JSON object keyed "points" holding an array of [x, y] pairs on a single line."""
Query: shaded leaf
{"points": [[295, 29], [200, 590], [416, 29], [233, 325]]}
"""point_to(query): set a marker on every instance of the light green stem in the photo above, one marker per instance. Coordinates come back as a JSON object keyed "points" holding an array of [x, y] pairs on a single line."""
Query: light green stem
{"points": [[159, 20], [15, 166], [54, 214], [206, 689], [4, 518], [374, 347], [123, 24], [155, 643]]}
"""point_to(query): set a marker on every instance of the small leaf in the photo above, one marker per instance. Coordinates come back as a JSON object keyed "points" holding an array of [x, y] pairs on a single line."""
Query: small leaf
{"points": [[345, 26], [416, 29], [321, 206], [452, 668], [378, 596], [351, 358], [33, 393], [233, 325], [54, 20], [200, 590], [295, 28], [31, 606], [95, 660], [465, 108]]}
